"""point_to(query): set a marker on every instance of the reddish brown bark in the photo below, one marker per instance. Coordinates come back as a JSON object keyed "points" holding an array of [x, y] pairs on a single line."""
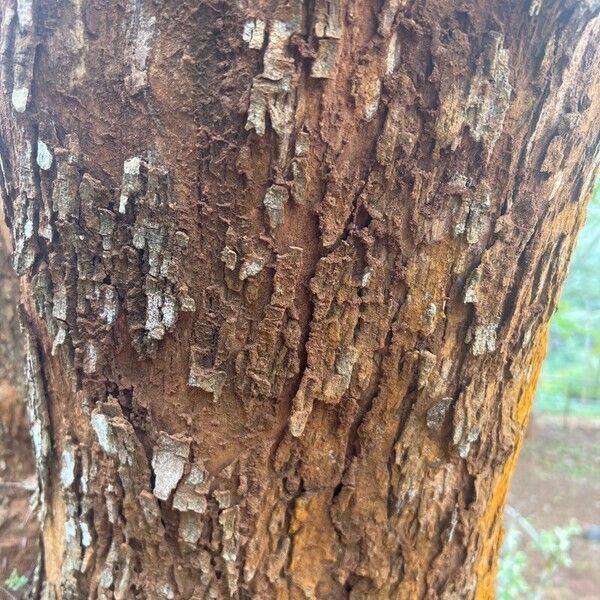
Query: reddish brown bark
{"points": [[287, 273]]}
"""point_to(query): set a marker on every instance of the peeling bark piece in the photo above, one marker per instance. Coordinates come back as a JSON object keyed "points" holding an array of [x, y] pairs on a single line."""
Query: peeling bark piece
{"points": [[490, 93], [534, 7], [391, 55], [272, 91], [192, 490], [386, 144], [484, 103], [339, 382], [484, 339], [478, 215], [302, 406], [37, 410], [299, 182], [388, 14], [254, 33], [223, 498], [104, 435], [159, 252], [132, 183], [463, 447], [302, 144], [471, 287], [327, 19], [257, 110], [324, 62], [187, 304], [427, 362], [229, 257], [228, 520], [168, 461], [20, 97], [110, 304], [137, 54], [286, 276], [428, 317], [277, 62], [90, 358], [65, 199], [437, 414], [190, 527], [25, 213], [274, 201]]}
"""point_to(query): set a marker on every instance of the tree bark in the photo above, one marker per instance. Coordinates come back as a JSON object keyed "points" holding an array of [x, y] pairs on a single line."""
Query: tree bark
{"points": [[12, 415], [15, 443], [14, 439], [287, 269], [18, 549]]}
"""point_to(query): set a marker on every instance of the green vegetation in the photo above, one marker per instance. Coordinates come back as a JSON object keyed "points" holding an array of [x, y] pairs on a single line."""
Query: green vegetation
{"points": [[550, 548], [570, 380], [15, 582]]}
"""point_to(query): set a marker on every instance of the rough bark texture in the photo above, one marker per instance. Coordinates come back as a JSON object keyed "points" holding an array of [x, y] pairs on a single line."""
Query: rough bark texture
{"points": [[15, 450], [287, 269], [13, 423], [18, 533]]}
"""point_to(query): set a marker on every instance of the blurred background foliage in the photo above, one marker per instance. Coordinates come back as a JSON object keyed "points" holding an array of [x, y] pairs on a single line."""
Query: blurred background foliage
{"points": [[570, 379], [551, 548]]}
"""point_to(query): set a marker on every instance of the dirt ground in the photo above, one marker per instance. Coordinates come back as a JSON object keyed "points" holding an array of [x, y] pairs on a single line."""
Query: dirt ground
{"points": [[558, 477]]}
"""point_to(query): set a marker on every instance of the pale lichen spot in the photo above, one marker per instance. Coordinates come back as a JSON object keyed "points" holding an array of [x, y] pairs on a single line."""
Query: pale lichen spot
{"points": [[366, 277], [131, 181], [430, 313], [104, 435], [484, 339], [187, 304], [465, 447], [250, 268], [254, 33], [229, 257], [44, 157], [86, 536], [67, 467], [20, 97], [437, 413]]}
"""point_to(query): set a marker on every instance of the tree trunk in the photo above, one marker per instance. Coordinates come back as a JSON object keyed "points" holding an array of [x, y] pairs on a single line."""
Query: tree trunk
{"points": [[287, 269], [14, 438], [18, 548]]}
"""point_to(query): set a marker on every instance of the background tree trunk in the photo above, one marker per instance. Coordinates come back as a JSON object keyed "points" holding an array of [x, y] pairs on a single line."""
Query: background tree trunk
{"points": [[287, 269], [14, 429], [18, 527]]}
